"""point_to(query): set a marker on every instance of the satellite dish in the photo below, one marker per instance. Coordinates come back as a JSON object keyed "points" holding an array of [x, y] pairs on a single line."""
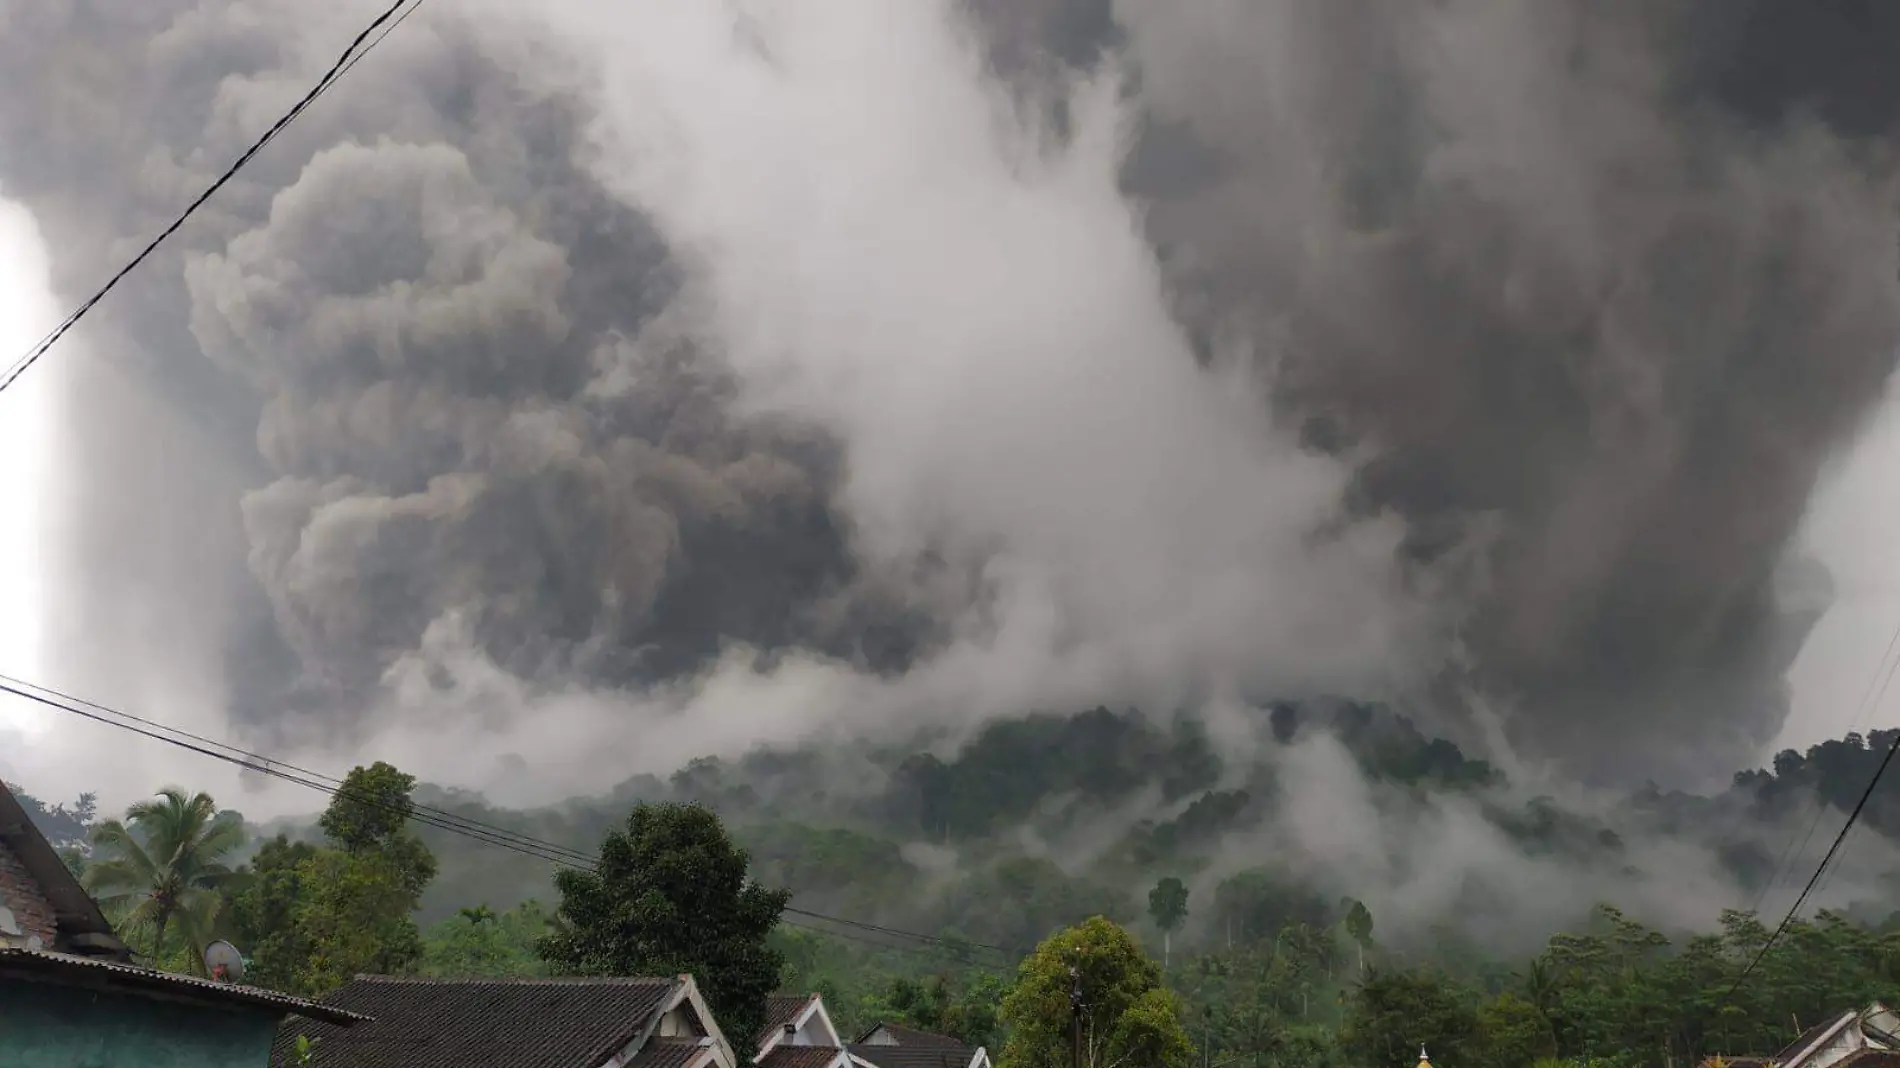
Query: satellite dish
{"points": [[223, 962]]}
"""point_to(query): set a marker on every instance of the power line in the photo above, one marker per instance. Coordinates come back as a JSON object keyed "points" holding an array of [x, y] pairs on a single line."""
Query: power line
{"points": [[441, 819], [1852, 817], [1791, 854], [348, 59]]}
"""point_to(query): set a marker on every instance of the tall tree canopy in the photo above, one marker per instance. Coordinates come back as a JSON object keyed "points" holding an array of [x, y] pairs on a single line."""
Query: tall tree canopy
{"points": [[1127, 1018], [672, 894], [1168, 906], [164, 865]]}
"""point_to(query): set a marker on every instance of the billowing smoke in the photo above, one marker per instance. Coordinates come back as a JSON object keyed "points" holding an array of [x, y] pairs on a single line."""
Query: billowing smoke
{"points": [[938, 363]]}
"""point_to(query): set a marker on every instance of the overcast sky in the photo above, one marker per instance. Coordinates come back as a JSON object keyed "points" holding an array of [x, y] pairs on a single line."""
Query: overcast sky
{"points": [[1854, 527]]}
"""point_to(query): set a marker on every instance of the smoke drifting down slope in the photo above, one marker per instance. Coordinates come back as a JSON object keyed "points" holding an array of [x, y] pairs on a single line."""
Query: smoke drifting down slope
{"points": [[758, 368]]}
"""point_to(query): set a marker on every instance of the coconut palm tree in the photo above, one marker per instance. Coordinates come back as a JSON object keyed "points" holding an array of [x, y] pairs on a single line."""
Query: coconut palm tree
{"points": [[164, 864]]}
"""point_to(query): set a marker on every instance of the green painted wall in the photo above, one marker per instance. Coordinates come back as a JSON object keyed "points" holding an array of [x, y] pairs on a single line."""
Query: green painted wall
{"points": [[46, 1026]]}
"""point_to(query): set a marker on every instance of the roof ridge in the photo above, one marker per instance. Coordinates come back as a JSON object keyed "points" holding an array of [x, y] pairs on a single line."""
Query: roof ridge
{"points": [[546, 980]]}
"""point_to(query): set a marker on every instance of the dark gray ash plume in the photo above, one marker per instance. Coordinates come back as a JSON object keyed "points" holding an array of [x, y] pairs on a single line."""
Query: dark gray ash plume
{"points": [[1565, 304]]}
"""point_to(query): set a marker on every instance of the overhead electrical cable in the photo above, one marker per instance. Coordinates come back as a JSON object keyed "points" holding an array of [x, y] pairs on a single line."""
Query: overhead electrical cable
{"points": [[1820, 869], [1792, 853], [431, 816], [358, 48]]}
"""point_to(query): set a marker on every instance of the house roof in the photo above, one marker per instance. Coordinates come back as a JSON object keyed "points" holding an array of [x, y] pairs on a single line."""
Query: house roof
{"points": [[94, 972], [935, 1055], [801, 1057], [671, 1053], [1870, 1058], [908, 1036], [1812, 1036], [782, 1009], [82, 927], [474, 1023]]}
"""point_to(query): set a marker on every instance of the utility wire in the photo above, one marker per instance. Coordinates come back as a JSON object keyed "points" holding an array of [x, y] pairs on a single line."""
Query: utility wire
{"points": [[1795, 909], [350, 56], [430, 816], [1792, 854]]}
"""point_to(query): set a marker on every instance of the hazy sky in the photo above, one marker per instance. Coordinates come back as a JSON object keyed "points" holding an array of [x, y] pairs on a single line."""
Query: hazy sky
{"points": [[974, 330], [1854, 527]]}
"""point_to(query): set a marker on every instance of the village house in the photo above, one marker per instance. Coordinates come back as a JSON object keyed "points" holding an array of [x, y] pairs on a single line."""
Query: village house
{"points": [[71, 997], [1857, 1038], [799, 1034], [515, 1023]]}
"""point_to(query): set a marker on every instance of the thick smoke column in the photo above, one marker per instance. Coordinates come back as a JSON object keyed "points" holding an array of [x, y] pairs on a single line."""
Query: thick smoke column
{"points": [[1595, 286], [1019, 354]]}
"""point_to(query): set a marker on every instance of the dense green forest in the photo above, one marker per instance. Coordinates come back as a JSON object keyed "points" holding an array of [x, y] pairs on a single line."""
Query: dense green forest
{"points": [[953, 864]]}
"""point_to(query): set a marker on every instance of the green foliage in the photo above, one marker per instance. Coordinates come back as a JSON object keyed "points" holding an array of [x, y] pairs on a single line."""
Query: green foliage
{"points": [[480, 943], [1127, 1017], [1168, 903], [163, 866], [370, 809], [672, 894], [311, 917], [354, 918], [964, 1008], [263, 913], [1390, 1015]]}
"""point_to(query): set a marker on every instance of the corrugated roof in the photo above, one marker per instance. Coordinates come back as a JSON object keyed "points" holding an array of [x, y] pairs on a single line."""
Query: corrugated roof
{"points": [[483, 1023], [64, 966], [1810, 1036], [1870, 1058]]}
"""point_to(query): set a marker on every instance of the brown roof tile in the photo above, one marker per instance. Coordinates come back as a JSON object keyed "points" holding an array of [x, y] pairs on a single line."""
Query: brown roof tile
{"points": [[781, 1009], [934, 1055], [801, 1057], [482, 1023], [670, 1053]]}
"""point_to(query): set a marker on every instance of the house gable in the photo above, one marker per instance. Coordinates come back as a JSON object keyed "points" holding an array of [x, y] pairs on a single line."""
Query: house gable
{"points": [[43, 898]]}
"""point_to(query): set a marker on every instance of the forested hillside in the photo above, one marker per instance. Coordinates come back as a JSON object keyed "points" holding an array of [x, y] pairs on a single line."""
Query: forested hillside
{"points": [[921, 878]]}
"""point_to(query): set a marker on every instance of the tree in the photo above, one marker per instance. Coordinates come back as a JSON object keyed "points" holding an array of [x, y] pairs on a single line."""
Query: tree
{"points": [[164, 863], [1359, 929], [312, 917], [263, 913], [1390, 1014], [672, 894], [1168, 905], [480, 943], [1513, 1033], [1127, 1018], [355, 919], [370, 815]]}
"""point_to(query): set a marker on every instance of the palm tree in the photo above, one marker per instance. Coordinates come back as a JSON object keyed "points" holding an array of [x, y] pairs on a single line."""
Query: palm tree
{"points": [[164, 864]]}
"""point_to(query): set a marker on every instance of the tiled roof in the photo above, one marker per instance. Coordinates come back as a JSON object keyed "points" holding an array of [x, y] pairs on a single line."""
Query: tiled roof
{"points": [[937, 1055], [482, 1023], [908, 1036], [801, 1057], [670, 1053], [781, 1009], [56, 966]]}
